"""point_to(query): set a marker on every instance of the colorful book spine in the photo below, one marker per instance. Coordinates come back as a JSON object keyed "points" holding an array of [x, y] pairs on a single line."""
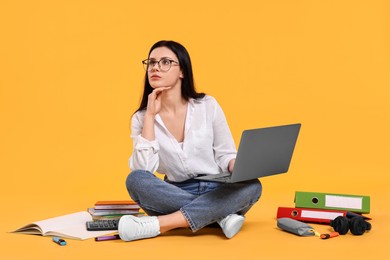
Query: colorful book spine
{"points": [[97, 212], [118, 204], [111, 209]]}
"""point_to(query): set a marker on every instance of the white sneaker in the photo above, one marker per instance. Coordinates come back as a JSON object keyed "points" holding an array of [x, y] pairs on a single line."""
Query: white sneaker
{"points": [[132, 228], [231, 224]]}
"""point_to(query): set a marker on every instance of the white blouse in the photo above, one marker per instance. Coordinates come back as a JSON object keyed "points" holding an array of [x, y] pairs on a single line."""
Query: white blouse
{"points": [[207, 148]]}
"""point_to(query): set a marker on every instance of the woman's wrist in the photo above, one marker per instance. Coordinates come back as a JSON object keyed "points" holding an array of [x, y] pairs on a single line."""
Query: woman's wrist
{"points": [[148, 127]]}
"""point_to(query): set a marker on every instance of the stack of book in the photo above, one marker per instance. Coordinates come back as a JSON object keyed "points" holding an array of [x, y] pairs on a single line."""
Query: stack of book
{"points": [[114, 209], [322, 208]]}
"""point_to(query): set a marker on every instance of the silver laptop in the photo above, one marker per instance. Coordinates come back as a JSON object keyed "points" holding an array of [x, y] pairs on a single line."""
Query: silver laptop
{"points": [[262, 152]]}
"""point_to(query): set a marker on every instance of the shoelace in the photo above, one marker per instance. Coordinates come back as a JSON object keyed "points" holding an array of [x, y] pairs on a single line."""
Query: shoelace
{"points": [[145, 227]]}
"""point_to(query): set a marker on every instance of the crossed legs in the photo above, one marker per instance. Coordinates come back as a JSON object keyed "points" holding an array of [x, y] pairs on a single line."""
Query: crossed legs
{"points": [[177, 208]]}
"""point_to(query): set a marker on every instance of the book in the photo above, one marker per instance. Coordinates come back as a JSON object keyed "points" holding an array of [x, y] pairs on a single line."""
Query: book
{"points": [[70, 226], [353, 203], [104, 212], [117, 204]]}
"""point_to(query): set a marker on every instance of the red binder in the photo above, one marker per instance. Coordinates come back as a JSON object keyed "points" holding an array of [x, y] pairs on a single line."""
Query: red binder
{"points": [[313, 215]]}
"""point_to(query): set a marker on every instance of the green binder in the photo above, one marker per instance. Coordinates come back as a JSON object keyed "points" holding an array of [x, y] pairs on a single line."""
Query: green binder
{"points": [[317, 200]]}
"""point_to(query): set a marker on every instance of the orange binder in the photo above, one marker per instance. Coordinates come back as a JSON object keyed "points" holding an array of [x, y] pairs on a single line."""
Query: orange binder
{"points": [[313, 215]]}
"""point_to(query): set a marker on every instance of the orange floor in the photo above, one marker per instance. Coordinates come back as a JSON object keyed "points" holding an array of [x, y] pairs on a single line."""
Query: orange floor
{"points": [[71, 77], [259, 238]]}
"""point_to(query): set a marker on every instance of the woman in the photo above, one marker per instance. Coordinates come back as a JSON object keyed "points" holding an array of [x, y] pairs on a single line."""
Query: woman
{"points": [[181, 133]]}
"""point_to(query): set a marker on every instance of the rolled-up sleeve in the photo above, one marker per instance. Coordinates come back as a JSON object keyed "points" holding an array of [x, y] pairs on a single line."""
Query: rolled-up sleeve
{"points": [[145, 152]]}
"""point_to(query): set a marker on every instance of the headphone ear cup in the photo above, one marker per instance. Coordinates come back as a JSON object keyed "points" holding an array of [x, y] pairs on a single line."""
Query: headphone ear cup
{"points": [[340, 225], [358, 226]]}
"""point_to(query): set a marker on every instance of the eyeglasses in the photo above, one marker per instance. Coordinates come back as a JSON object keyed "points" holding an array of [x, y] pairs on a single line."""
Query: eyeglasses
{"points": [[164, 64]]}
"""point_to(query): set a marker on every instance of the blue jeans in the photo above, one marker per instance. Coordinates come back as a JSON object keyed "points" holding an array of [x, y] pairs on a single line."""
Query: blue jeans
{"points": [[201, 202]]}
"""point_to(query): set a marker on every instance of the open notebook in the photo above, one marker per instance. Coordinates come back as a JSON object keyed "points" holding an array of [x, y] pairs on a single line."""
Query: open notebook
{"points": [[70, 226]]}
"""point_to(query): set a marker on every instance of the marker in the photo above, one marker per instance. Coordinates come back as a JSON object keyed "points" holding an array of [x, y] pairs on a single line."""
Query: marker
{"points": [[330, 235], [106, 238], [59, 241]]}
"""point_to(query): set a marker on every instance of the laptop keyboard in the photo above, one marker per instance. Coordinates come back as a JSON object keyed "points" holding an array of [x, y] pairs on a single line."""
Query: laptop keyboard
{"points": [[221, 178]]}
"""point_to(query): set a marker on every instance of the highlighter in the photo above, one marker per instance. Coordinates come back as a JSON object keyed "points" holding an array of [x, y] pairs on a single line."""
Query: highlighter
{"points": [[59, 241], [105, 238], [330, 235]]}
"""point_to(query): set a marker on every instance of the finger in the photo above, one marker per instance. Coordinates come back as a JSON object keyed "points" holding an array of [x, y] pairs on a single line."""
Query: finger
{"points": [[161, 89], [153, 95], [158, 97]]}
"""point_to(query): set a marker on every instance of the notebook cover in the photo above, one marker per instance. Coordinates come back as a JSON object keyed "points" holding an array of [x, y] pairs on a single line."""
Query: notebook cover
{"points": [[353, 203]]}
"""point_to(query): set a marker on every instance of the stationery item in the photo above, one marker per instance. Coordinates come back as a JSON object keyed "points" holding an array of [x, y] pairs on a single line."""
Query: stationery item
{"points": [[114, 209], [59, 241], [354, 203], [116, 204], [330, 235], [69, 226], [108, 217], [309, 215], [295, 227], [97, 225], [313, 215], [112, 212], [106, 238]]}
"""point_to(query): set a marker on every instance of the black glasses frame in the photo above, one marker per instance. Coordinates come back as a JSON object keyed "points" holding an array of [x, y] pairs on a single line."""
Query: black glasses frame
{"points": [[149, 64]]}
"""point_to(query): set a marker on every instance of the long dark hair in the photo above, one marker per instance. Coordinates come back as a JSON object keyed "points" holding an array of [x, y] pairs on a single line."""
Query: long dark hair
{"points": [[187, 86]]}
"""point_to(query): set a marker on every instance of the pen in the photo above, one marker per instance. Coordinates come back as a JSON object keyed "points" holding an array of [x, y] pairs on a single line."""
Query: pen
{"points": [[106, 238], [59, 241]]}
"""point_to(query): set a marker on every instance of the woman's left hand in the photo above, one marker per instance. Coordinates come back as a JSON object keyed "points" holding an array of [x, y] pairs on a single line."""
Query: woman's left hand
{"points": [[231, 165]]}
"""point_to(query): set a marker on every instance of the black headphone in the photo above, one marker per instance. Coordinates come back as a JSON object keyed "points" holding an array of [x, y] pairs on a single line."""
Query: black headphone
{"points": [[357, 225]]}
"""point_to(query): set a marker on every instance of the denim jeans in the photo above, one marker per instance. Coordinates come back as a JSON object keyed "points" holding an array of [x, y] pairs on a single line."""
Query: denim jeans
{"points": [[201, 202]]}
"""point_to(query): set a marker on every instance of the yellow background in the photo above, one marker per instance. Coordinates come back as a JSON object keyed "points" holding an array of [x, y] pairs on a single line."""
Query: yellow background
{"points": [[71, 77]]}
